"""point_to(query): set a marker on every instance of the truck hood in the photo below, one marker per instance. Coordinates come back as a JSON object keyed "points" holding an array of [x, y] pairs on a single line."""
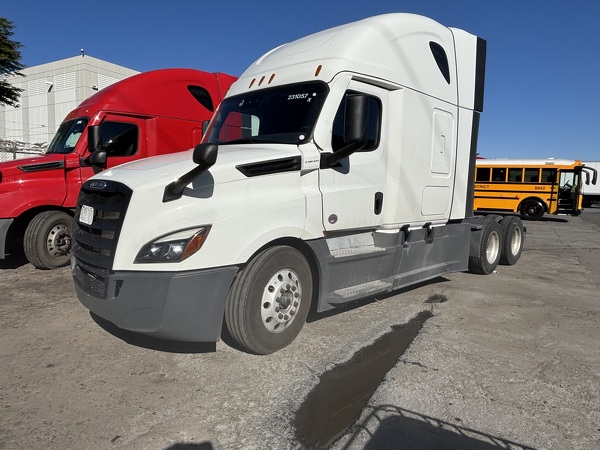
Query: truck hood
{"points": [[149, 173], [18, 167], [254, 177]]}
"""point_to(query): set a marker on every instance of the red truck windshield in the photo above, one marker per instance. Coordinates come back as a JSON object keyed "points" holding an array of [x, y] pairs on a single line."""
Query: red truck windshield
{"points": [[66, 137]]}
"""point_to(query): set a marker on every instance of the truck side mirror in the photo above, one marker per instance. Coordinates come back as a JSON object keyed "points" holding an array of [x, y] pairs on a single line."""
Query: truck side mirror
{"points": [[98, 156], [93, 142], [356, 119], [205, 155]]}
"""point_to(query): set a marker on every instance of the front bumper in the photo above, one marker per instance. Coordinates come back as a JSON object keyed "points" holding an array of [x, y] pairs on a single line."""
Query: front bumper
{"points": [[4, 226], [179, 306]]}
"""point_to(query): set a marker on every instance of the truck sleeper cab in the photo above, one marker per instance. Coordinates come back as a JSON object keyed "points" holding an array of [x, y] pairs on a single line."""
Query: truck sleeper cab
{"points": [[148, 114], [339, 166]]}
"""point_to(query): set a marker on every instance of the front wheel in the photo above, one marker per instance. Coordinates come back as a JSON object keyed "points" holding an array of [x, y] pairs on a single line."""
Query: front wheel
{"points": [[47, 240], [269, 300]]}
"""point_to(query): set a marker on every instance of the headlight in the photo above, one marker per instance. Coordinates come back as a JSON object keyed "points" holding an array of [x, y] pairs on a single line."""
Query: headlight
{"points": [[173, 247]]}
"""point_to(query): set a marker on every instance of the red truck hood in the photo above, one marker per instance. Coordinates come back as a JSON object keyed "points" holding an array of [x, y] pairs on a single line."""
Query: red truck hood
{"points": [[32, 182], [20, 167]]}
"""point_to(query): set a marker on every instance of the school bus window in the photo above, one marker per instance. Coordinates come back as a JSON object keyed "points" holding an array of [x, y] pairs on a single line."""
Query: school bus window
{"points": [[548, 175], [515, 175], [483, 174], [498, 174], [532, 175]]}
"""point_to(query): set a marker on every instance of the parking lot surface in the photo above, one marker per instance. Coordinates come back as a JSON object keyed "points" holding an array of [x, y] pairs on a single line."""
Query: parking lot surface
{"points": [[510, 360]]}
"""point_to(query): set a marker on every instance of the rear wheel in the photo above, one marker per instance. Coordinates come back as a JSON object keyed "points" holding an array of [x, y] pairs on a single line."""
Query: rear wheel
{"points": [[512, 240], [532, 209], [488, 250], [269, 300], [47, 240]]}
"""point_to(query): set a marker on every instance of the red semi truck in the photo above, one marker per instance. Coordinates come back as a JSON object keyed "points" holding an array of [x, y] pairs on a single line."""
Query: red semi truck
{"points": [[153, 113]]}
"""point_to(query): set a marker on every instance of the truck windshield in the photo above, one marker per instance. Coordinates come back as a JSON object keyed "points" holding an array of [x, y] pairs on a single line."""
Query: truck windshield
{"points": [[285, 115], [66, 137]]}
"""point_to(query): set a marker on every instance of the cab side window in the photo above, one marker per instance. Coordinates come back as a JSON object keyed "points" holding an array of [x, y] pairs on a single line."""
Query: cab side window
{"points": [[119, 138], [373, 125]]}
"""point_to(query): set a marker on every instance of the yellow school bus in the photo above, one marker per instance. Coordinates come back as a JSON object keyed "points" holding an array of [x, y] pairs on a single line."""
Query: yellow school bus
{"points": [[531, 187]]}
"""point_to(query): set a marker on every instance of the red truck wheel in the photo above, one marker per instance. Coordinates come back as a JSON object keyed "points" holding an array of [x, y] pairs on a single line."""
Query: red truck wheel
{"points": [[47, 240]]}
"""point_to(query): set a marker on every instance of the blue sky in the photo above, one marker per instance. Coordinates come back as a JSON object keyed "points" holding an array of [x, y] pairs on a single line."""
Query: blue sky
{"points": [[542, 96]]}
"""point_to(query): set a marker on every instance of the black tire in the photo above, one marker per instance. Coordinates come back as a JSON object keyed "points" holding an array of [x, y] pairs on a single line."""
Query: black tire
{"points": [[47, 240], [269, 300], [513, 236], [532, 209], [488, 250]]}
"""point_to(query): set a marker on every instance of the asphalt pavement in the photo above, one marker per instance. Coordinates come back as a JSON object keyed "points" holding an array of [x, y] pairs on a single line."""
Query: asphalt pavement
{"points": [[508, 360]]}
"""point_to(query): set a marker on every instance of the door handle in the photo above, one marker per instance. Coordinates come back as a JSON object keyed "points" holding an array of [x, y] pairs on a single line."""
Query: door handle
{"points": [[378, 203]]}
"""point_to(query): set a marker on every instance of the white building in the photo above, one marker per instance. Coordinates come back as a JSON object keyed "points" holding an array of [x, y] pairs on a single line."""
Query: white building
{"points": [[50, 92]]}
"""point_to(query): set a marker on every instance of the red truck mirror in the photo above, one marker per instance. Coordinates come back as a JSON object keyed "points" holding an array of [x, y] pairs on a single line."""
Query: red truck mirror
{"points": [[93, 142], [98, 156]]}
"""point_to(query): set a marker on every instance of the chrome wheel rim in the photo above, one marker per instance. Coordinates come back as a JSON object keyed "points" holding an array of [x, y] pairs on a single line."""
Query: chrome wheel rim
{"points": [[493, 247], [281, 300], [58, 242], [515, 242]]}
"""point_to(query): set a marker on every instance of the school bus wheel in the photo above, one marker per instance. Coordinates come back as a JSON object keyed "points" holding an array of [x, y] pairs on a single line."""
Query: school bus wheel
{"points": [[532, 209]]}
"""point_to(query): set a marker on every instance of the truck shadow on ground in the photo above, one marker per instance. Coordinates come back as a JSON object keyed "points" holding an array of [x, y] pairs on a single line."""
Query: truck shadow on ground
{"points": [[191, 446], [152, 343], [393, 427], [14, 260], [12, 264], [551, 219]]}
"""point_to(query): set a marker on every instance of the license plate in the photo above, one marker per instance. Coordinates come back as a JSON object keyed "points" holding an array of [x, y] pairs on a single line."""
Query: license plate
{"points": [[86, 215]]}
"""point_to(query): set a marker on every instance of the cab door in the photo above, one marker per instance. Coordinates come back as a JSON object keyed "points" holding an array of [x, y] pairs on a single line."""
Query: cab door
{"points": [[353, 191]]}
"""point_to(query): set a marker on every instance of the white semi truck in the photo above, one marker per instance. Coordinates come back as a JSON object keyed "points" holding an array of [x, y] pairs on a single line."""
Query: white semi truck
{"points": [[338, 167]]}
